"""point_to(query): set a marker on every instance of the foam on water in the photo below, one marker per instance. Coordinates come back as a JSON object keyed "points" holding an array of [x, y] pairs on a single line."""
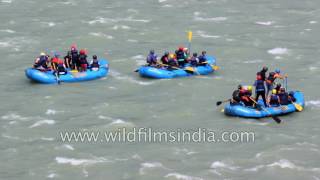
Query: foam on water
{"points": [[205, 35], [252, 61], [313, 22], [313, 103], [8, 31], [14, 116], [181, 176], [116, 27], [52, 175], [103, 20], [278, 51], [149, 165], [100, 34], [80, 162], [42, 122], [197, 17], [222, 165], [119, 76], [6, 1], [265, 23]]}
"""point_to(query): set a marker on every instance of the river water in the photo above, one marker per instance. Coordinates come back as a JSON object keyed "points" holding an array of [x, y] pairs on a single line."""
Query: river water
{"points": [[243, 36]]}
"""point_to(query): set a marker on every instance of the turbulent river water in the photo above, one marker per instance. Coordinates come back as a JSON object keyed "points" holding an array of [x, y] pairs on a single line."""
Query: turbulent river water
{"points": [[243, 35]]}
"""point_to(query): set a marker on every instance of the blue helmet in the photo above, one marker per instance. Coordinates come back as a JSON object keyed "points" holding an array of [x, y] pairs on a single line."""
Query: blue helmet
{"points": [[277, 71], [56, 54]]}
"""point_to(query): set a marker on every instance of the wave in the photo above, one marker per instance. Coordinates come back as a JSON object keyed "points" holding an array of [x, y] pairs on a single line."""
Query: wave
{"points": [[100, 34], [149, 165], [119, 76], [314, 103], [182, 176], [80, 162], [265, 23], [42, 122], [278, 51]]}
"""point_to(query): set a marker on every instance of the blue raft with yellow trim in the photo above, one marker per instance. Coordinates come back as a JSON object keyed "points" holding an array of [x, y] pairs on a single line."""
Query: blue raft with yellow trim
{"points": [[164, 73], [49, 77], [249, 112]]}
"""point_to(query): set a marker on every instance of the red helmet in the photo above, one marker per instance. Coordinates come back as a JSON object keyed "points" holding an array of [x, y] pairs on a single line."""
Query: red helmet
{"points": [[181, 48], [82, 51], [73, 46], [259, 77]]}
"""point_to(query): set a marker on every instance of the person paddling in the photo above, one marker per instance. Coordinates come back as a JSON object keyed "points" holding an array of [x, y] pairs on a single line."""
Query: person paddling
{"points": [[245, 96], [58, 65], [262, 73], [284, 97], [68, 60], [41, 62], [194, 60], [203, 58], [152, 58], [274, 100], [181, 56], [75, 57], [83, 60], [236, 99], [95, 63], [165, 58], [172, 62]]}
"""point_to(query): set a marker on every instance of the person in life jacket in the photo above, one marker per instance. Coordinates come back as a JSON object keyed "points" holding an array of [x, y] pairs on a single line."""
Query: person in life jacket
{"points": [[83, 60], [245, 96], [181, 56], [194, 60], [260, 89], [152, 58], [236, 99], [165, 58], [172, 62], [95, 63], [41, 62], [74, 57], [203, 59], [278, 86], [271, 78], [58, 65], [67, 60], [291, 97], [274, 100], [284, 97], [262, 73]]}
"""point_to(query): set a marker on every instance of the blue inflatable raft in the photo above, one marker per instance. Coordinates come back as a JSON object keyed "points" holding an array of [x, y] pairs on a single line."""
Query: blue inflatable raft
{"points": [[247, 112], [164, 73], [49, 77]]}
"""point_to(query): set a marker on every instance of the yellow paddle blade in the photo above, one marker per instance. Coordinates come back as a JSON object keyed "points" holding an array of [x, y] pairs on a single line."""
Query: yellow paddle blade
{"points": [[189, 36], [189, 69], [215, 67], [74, 71], [298, 107], [222, 110]]}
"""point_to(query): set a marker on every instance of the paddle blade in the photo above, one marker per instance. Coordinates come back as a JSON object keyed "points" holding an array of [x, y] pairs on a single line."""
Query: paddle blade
{"points": [[298, 107], [191, 69], [215, 68], [219, 103], [189, 36], [276, 119]]}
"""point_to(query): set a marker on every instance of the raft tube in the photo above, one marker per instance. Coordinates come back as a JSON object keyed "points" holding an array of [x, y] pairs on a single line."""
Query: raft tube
{"points": [[163, 73], [49, 77], [248, 112]]}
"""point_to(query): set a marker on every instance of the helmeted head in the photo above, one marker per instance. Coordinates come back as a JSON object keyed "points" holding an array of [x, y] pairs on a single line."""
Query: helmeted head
{"points": [[82, 51], [282, 89], [274, 91], [203, 52], [265, 68], [42, 54], [171, 56], [291, 93], [194, 54], [239, 86], [151, 51], [277, 71], [180, 48], [73, 47], [166, 53], [259, 77], [94, 57], [278, 85], [185, 49], [56, 54], [249, 88]]}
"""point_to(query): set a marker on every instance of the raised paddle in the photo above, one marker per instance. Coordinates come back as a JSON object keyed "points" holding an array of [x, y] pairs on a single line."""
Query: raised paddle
{"points": [[275, 118], [220, 102], [189, 40]]}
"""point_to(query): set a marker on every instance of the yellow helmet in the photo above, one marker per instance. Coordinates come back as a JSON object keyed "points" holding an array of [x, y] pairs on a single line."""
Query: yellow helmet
{"points": [[274, 91], [171, 56], [249, 88], [42, 54]]}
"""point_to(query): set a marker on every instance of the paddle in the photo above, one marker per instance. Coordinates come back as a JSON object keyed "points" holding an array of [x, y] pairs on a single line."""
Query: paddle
{"points": [[189, 40], [275, 118], [220, 102], [297, 106]]}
